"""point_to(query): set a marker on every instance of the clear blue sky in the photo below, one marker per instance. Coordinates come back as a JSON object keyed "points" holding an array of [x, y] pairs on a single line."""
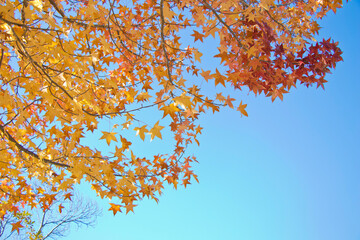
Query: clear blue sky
{"points": [[290, 171]]}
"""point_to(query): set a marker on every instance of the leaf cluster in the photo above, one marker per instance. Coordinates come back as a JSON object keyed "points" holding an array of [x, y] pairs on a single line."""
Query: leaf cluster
{"points": [[66, 67]]}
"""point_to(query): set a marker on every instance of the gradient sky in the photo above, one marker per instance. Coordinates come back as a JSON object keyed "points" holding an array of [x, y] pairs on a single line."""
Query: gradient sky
{"points": [[289, 171]]}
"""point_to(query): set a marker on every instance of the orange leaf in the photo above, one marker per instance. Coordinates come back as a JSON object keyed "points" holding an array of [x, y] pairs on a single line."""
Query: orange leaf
{"points": [[16, 226], [198, 36], [60, 208], [241, 108], [115, 208], [68, 196]]}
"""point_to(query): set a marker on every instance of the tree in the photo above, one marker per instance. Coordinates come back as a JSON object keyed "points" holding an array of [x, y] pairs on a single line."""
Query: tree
{"points": [[74, 69], [50, 221]]}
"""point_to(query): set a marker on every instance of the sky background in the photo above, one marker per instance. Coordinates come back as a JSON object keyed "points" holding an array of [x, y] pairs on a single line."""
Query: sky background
{"points": [[288, 171]]}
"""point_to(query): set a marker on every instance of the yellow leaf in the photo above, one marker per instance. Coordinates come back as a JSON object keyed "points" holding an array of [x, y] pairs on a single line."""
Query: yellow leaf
{"points": [[125, 143], [38, 4], [144, 96], [131, 93], [252, 51], [183, 100], [155, 131], [170, 110], [141, 131], [115, 208], [108, 136]]}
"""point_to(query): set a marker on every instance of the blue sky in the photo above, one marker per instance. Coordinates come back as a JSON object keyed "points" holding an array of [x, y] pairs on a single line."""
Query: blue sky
{"points": [[288, 171]]}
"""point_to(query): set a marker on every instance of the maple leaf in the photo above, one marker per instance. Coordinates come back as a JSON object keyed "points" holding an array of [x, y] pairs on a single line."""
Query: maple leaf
{"points": [[206, 75], [241, 108], [144, 96], [223, 55], [170, 110], [229, 101], [141, 131], [115, 208], [198, 36], [61, 208], [37, 3], [168, 13], [16, 226], [129, 207], [108, 136], [252, 51], [184, 101], [220, 97], [155, 131], [125, 143], [198, 129], [197, 56]]}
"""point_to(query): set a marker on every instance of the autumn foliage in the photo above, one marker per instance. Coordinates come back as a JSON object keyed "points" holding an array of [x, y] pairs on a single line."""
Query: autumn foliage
{"points": [[71, 70]]}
